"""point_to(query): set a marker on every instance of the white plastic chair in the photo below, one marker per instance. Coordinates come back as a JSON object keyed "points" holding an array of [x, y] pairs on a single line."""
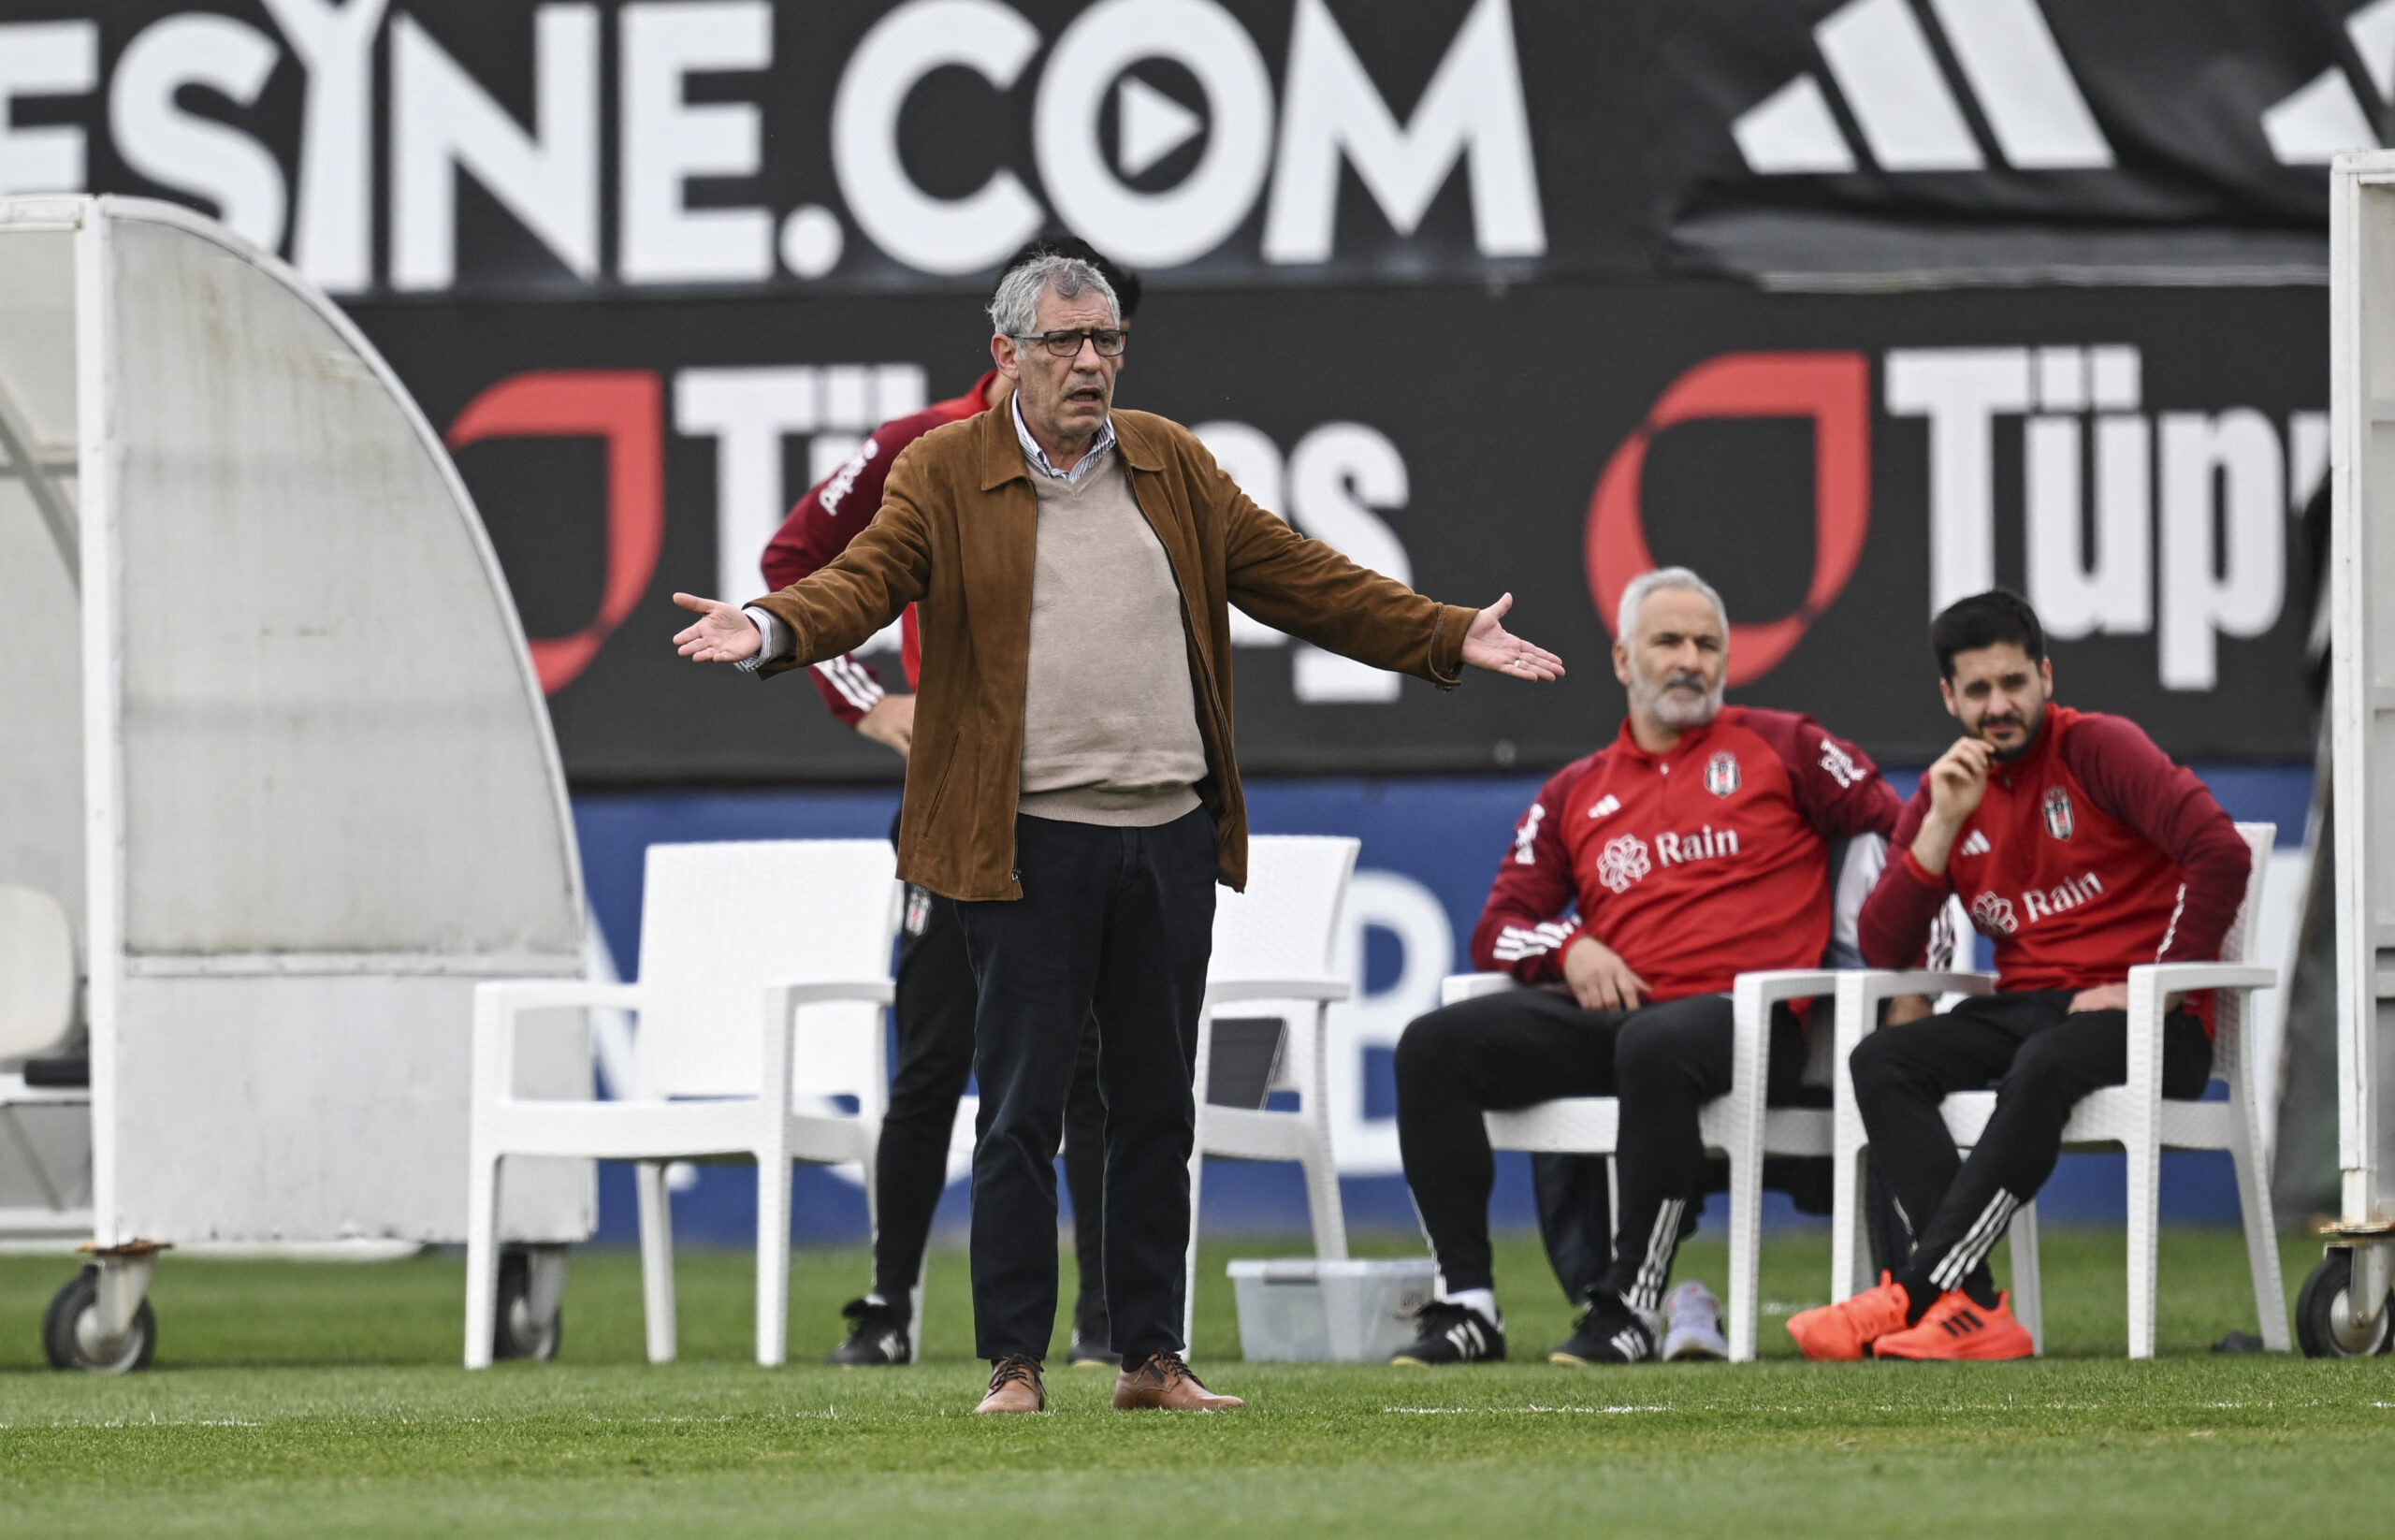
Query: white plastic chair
{"points": [[1273, 948], [36, 972], [2134, 1117], [763, 969], [37, 1013], [1737, 1125]]}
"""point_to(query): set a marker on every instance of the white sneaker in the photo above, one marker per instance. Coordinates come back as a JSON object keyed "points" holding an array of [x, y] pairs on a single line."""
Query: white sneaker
{"points": [[1692, 1324]]}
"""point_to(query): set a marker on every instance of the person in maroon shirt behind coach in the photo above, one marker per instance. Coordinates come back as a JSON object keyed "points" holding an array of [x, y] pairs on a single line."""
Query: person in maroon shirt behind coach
{"points": [[2080, 851], [1643, 881]]}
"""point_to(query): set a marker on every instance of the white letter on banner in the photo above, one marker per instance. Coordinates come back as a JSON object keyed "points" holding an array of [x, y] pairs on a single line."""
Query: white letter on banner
{"points": [[45, 59], [2233, 589], [1338, 474], [1472, 106], [1167, 228], [1250, 458], [929, 234], [666, 141], [2109, 586], [748, 410], [209, 160], [333, 244], [442, 122], [1960, 390], [1395, 903]]}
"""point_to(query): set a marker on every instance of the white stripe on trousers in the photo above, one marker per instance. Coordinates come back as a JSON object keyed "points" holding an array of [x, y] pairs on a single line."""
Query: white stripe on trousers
{"points": [[1974, 1246], [1647, 1291]]}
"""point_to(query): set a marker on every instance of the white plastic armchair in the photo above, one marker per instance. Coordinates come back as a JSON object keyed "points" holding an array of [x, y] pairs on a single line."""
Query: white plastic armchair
{"points": [[1274, 950], [2134, 1116], [1738, 1126], [763, 970]]}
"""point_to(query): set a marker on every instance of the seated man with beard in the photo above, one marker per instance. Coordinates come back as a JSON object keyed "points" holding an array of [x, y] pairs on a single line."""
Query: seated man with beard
{"points": [[1641, 881]]}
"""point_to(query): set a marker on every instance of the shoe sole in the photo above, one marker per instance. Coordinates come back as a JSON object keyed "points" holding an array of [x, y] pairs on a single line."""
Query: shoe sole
{"points": [[2027, 1351], [1698, 1354]]}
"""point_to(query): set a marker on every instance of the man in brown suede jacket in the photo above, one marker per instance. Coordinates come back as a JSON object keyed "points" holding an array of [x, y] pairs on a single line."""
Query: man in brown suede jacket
{"points": [[1072, 785]]}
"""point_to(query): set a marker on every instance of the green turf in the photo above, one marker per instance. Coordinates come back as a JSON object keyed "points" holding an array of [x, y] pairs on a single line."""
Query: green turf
{"points": [[292, 1398]]}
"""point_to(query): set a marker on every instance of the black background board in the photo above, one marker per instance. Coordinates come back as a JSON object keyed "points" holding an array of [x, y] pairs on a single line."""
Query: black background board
{"points": [[1506, 406]]}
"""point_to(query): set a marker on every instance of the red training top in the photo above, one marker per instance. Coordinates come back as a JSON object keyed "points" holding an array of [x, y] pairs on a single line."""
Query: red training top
{"points": [[830, 515], [1696, 864], [2087, 855]]}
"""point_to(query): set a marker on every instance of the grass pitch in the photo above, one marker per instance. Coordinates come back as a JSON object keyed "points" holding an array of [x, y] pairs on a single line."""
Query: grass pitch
{"points": [[295, 1398]]}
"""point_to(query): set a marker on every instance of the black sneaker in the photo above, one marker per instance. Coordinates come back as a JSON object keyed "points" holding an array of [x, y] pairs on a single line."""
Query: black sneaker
{"points": [[1452, 1333], [877, 1335], [1608, 1332], [1093, 1343]]}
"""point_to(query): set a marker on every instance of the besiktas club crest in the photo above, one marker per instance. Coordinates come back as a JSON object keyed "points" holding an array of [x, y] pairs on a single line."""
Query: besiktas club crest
{"points": [[1721, 774], [2058, 812]]}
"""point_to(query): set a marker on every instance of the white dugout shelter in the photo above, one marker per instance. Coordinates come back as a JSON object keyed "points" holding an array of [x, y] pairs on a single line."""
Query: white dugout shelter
{"points": [[272, 742]]}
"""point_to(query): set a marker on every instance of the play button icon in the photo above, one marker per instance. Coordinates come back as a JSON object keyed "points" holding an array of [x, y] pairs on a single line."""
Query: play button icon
{"points": [[1150, 126]]}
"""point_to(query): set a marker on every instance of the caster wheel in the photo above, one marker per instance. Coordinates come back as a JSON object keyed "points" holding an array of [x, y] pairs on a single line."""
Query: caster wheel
{"points": [[2323, 1322], [517, 1334], [70, 1336]]}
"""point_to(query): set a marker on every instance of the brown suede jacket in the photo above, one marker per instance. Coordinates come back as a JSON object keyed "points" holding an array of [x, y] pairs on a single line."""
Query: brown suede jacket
{"points": [[955, 535]]}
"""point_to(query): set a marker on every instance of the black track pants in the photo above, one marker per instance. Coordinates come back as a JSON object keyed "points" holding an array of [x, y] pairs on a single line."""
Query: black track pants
{"points": [[2041, 1058], [935, 1012], [1509, 1051]]}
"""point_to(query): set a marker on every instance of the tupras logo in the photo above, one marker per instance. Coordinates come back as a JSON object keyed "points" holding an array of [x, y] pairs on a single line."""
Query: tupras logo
{"points": [[2163, 524], [1839, 764], [2057, 809], [1881, 59], [1526, 837], [1992, 914], [1623, 862], [1721, 774]]}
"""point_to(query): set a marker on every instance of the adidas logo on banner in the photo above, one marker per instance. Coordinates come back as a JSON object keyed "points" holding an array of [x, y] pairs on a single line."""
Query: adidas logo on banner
{"points": [[2313, 126], [1881, 62]]}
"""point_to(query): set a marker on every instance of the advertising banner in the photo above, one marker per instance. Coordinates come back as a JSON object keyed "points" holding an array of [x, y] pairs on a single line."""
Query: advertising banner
{"points": [[654, 266], [1839, 466]]}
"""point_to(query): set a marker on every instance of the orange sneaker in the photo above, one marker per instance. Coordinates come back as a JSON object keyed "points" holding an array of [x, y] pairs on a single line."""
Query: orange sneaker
{"points": [[1842, 1332], [1957, 1328]]}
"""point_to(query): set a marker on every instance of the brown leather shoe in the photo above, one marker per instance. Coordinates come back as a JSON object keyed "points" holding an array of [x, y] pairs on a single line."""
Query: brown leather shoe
{"points": [[1014, 1387], [1165, 1381]]}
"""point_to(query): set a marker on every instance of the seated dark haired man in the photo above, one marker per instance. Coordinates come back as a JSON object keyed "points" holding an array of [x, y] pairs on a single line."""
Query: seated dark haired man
{"points": [[2080, 850]]}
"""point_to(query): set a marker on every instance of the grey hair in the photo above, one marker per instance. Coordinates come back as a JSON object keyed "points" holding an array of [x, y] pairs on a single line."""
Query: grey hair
{"points": [[1625, 617], [1014, 309]]}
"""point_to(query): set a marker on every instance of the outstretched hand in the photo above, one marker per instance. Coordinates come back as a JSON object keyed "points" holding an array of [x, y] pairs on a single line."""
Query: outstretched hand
{"points": [[720, 635], [1489, 644]]}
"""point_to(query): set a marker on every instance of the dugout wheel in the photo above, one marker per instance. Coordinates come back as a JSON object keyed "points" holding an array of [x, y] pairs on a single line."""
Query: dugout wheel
{"points": [[70, 1335], [2323, 1322], [520, 1332]]}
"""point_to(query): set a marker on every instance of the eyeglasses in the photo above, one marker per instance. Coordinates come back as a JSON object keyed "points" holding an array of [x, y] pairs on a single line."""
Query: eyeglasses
{"points": [[1068, 344]]}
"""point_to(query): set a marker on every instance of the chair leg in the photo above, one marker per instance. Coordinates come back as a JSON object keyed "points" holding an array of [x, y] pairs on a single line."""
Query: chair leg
{"points": [[1850, 1259], [2029, 1286], [1746, 1253], [482, 1258], [2145, 1196], [2261, 1232], [1189, 1279], [773, 1255], [656, 1258], [1322, 1201]]}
